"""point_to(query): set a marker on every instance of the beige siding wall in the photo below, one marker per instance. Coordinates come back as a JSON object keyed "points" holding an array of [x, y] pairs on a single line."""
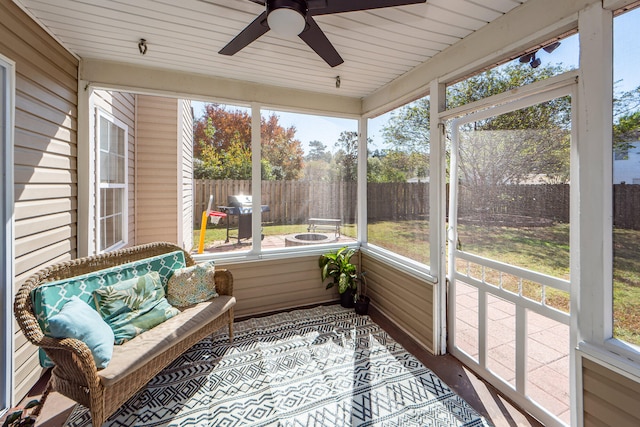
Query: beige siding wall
{"points": [[122, 107], [45, 160], [186, 154], [404, 299], [157, 170], [610, 399], [265, 286]]}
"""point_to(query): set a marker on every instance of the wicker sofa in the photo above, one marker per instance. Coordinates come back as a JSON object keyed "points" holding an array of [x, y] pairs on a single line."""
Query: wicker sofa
{"points": [[135, 362]]}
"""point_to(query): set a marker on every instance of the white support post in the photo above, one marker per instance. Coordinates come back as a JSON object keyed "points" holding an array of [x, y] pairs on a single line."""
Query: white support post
{"points": [[591, 179], [256, 179], [86, 172], [438, 214], [592, 194], [362, 181]]}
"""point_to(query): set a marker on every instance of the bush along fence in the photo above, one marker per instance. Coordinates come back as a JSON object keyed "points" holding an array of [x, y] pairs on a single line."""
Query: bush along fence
{"points": [[294, 202]]}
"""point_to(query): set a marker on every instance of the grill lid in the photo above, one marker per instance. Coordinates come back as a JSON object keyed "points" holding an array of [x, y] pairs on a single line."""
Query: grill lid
{"points": [[239, 200]]}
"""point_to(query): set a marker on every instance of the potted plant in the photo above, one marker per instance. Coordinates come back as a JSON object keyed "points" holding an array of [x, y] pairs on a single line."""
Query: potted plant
{"points": [[338, 266], [20, 416], [361, 300]]}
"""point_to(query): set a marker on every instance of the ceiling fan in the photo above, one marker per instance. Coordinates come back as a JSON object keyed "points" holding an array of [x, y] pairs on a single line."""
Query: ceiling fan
{"points": [[295, 18]]}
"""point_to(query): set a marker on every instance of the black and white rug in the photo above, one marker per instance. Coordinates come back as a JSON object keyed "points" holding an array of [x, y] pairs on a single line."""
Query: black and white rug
{"points": [[324, 366]]}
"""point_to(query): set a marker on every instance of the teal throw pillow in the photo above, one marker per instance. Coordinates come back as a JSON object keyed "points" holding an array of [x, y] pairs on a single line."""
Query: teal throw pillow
{"points": [[191, 285], [78, 320], [134, 306]]}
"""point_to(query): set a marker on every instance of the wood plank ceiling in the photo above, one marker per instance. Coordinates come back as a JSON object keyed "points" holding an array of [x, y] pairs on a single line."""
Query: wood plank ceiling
{"points": [[377, 46]]}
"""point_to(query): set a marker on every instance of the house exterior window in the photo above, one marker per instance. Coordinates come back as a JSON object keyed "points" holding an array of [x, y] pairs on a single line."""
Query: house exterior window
{"points": [[112, 136]]}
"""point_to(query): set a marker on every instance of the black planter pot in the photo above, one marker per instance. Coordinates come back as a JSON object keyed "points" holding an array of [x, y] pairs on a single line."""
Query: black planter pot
{"points": [[362, 305], [346, 298]]}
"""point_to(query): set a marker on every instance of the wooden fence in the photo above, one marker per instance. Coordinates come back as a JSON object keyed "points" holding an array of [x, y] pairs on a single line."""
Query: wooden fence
{"points": [[294, 202], [289, 202]]}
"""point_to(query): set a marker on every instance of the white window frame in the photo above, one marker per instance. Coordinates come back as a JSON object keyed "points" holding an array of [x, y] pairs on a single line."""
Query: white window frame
{"points": [[101, 114], [7, 108], [595, 257]]}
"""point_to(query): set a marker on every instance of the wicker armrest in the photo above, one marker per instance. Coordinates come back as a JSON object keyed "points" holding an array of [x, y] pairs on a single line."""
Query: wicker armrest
{"points": [[224, 282], [73, 360]]}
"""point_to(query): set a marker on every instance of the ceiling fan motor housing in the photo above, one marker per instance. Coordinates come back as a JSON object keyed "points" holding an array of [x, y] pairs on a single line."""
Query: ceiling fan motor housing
{"points": [[299, 6]]}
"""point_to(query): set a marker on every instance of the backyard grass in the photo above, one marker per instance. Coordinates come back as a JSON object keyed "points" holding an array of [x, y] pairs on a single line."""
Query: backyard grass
{"points": [[543, 249]]}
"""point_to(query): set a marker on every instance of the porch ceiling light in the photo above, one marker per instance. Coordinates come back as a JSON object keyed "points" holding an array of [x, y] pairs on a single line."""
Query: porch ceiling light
{"points": [[286, 17]]}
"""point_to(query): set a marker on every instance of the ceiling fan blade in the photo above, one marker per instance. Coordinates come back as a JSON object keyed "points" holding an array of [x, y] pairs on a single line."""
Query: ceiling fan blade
{"points": [[318, 41], [325, 7], [260, 2], [252, 31]]}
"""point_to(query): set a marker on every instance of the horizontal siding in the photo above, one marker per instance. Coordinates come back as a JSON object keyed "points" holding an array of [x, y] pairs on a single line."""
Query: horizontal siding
{"points": [[610, 399], [404, 299], [271, 285], [45, 166], [157, 142]]}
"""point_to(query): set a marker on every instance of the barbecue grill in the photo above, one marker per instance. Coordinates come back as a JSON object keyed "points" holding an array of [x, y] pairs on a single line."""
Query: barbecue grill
{"points": [[241, 206]]}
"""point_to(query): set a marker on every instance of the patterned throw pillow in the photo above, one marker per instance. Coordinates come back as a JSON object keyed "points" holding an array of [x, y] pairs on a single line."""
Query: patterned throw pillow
{"points": [[191, 285], [134, 306]]}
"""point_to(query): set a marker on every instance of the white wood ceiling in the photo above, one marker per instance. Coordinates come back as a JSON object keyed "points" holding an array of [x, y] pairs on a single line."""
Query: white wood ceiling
{"points": [[377, 46]]}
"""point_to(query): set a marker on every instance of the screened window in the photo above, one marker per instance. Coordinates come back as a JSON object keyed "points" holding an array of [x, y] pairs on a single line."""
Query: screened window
{"points": [[112, 198], [309, 179], [626, 178], [398, 181]]}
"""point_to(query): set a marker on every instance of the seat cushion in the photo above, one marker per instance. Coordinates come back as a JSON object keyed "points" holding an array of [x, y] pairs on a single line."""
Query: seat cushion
{"points": [[49, 298], [133, 355]]}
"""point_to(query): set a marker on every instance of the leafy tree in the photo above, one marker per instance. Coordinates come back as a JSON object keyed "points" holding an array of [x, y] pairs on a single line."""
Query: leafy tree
{"points": [[626, 127], [318, 151], [502, 149], [222, 142], [281, 149], [346, 159], [227, 126]]}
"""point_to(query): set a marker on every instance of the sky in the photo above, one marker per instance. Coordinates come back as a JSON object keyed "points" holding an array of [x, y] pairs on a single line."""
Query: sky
{"points": [[327, 129]]}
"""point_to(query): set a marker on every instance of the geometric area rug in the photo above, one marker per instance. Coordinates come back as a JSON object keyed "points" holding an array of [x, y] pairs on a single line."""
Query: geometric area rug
{"points": [[325, 366]]}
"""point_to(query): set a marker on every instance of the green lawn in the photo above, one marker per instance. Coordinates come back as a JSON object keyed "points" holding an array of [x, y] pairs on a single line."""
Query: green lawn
{"points": [[543, 249]]}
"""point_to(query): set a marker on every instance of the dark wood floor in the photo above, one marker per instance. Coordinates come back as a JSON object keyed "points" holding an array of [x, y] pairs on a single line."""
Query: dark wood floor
{"points": [[482, 396]]}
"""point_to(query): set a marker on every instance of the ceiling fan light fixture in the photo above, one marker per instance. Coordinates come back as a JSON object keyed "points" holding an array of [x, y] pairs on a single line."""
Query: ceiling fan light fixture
{"points": [[286, 17]]}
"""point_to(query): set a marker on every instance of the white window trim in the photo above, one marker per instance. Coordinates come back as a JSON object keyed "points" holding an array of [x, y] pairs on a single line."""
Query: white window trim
{"points": [[6, 232], [125, 202]]}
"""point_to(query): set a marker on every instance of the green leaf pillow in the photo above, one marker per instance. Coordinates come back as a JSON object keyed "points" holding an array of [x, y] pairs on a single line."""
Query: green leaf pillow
{"points": [[191, 285], [133, 306]]}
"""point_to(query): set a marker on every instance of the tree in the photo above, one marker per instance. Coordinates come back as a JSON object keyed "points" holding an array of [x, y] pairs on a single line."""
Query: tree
{"points": [[318, 151], [228, 126], [346, 159], [281, 149], [506, 148], [222, 142], [626, 126]]}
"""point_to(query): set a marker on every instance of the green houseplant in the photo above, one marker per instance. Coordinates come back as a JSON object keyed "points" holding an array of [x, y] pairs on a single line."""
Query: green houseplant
{"points": [[337, 265], [20, 417]]}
